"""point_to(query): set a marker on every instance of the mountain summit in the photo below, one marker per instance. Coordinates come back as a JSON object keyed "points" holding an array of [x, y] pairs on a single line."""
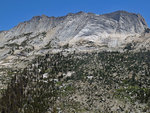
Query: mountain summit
{"points": [[116, 22]]}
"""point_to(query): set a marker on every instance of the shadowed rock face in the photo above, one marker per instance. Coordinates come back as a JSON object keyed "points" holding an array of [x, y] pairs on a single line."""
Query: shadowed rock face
{"points": [[129, 22]]}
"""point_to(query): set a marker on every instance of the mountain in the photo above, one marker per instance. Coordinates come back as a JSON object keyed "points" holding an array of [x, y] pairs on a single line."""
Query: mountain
{"points": [[81, 62], [80, 26], [74, 32], [116, 22]]}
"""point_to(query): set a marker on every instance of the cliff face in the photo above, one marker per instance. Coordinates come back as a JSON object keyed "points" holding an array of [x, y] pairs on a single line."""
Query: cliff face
{"points": [[80, 31], [74, 27], [116, 22]]}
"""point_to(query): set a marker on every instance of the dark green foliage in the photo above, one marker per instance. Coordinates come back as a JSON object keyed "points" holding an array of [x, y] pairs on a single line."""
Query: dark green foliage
{"points": [[128, 74], [29, 92], [134, 93], [128, 47], [66, 46]]}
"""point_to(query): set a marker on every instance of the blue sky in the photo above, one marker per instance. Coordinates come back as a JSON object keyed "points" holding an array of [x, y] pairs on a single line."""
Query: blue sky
{"points": [[12, 12]]}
